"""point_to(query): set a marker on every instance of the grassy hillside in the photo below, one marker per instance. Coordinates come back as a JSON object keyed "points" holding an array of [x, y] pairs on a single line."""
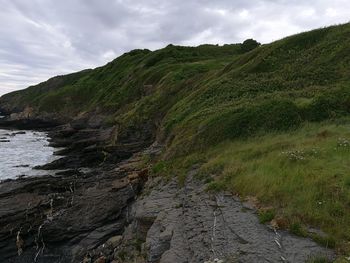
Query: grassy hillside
{"points": [[271, 122]]}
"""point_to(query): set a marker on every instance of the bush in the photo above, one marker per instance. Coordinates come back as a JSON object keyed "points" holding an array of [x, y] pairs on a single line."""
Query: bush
{"points": [[328, 105], [266, 216], [249, 45], [160, 167], [216, 186], [297, 229], [274, 115]]}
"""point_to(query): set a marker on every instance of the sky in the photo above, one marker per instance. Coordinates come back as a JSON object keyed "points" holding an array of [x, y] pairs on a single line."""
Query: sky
{"points": [[43, 38]]}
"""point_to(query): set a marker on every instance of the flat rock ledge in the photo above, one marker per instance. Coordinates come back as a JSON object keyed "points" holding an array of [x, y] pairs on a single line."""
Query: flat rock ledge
{"points": [[189, 225]]}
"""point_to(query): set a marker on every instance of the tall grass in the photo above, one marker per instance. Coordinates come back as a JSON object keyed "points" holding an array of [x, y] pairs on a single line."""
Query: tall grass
{"points": [[304, 174]]}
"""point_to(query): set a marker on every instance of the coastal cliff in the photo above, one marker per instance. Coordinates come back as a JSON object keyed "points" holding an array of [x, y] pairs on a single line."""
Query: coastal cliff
{"points": [[189, 154]]}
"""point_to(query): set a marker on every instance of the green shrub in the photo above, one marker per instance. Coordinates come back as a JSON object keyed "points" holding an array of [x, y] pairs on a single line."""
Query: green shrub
{"points": [[160, 167], [325, 241], [249, 45], [329, 105], [274, 115], [216, 186], [297, 229], [266, 215], [320, 259]]}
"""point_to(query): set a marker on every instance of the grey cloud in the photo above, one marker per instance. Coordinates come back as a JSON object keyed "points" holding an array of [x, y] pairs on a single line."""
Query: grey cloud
{"points": [[42, 38]]}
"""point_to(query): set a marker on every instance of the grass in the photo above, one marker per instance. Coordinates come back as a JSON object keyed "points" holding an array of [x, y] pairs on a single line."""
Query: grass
{"points": [[303, 174], [266, 216], [318, 260]]}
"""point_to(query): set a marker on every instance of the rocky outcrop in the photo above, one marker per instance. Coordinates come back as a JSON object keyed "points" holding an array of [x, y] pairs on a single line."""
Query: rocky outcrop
{"points": [[60, 217], [188, 224], [29, 119]]}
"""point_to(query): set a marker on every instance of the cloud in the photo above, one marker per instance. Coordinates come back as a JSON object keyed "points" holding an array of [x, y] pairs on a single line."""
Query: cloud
{"points": [[43, 38]]}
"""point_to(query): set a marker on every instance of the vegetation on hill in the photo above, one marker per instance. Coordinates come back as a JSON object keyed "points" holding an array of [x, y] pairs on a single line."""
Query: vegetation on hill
{"points": [[269, 121]]}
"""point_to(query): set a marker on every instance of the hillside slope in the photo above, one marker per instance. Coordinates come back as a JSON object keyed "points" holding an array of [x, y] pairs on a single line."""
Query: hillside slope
{"points": [[187, 91], [253, 120]]}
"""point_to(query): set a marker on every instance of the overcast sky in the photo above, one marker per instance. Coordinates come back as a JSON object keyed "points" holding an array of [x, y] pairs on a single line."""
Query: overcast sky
{"points": [[43, 38]]}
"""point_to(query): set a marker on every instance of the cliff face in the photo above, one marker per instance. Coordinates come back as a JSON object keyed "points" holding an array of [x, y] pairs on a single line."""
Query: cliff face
{"points": [[131, 127]]}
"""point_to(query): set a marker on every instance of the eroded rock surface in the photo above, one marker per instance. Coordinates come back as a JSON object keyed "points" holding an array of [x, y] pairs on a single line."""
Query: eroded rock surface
{"points": [[61, 218], [187, 224]]}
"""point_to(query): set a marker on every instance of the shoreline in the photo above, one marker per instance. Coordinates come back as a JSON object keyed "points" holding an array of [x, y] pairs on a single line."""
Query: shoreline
{"points": [[37, 210], [29, 148], [105, 204]]}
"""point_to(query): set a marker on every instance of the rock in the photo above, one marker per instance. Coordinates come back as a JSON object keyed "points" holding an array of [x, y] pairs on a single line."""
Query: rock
{"points": [[95, 121], [120, 183], [18, 133], [22, 166], [87, 259], [133, 176], [216, 260], [187, 224], [101, 259], [19, 243], [79, 123], [158, 246], [114, 241], [75, 212]]}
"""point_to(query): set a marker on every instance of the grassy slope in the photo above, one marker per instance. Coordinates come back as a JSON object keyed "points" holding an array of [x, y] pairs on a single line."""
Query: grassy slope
{"points": [[268, 123], [303, 174], [291, 69]]}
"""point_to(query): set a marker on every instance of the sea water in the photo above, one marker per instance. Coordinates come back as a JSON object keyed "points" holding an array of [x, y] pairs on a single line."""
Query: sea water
{"points": [[20, 151]]}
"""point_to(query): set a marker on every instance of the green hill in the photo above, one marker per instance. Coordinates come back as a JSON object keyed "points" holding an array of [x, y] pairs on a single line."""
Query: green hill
{"points": [[269, 122]]}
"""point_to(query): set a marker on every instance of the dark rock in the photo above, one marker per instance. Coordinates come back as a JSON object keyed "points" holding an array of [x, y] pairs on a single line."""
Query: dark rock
{"points": [[23, 165], [86, 203], [68, 215], [18, 133]]}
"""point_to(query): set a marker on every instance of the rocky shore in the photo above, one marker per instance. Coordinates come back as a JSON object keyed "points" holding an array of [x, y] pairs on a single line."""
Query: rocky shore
{"points": [[60, 218], [102, 206]]}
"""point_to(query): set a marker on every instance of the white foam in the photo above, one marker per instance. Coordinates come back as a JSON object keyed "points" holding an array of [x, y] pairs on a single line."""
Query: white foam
{"points": [[23, 152]]}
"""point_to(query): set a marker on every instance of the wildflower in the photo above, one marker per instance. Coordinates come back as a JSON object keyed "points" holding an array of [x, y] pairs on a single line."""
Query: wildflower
{"points": [[343, 143], [296, 155]]}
